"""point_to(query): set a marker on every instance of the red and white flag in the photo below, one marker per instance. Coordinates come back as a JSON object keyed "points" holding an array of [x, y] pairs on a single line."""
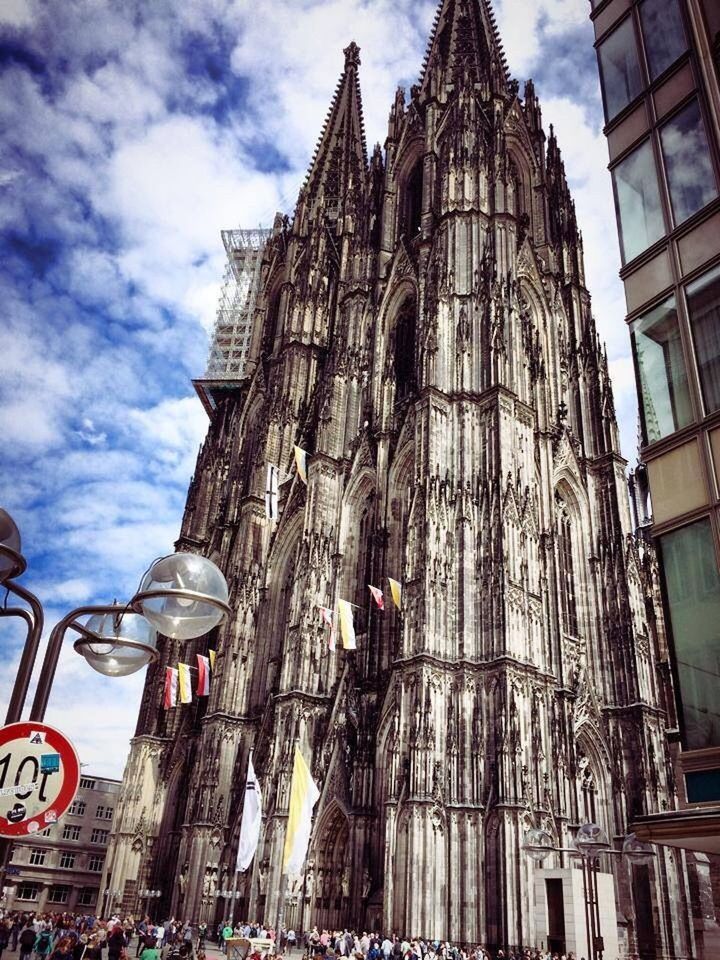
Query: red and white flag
{"points": [[203, 680], [171, 687], [377, 596], [327, 616]]}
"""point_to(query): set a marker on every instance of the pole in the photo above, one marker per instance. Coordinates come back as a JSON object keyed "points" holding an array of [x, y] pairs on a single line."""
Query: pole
{"points": [[35, 622], [599, 946], [233, 899], [301, 916], [586, 898], [52, 654], [281, 911]]}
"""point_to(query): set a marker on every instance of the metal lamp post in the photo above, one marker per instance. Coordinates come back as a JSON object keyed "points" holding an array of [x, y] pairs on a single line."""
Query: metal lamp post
{"points": [[590, 844], [233, 896], [182, 596], [149, 895]]}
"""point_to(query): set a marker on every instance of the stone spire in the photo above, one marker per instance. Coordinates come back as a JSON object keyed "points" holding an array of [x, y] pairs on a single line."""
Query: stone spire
{"points": [[340, 158], [464, 42]]}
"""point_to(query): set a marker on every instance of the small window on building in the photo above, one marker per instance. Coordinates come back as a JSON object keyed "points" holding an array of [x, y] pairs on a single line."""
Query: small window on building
{"points": [[77, 808], [688, 166], [100, 812], [703, 302], [87, 897], [37, 856], [99, 836], [620, 69], [693, 594], [662, 376], [67, 861], [637, 202], [86, 783], [96, 864], [46, 832], [58, 894], [663, 33], [71, 832], [27, 891]]}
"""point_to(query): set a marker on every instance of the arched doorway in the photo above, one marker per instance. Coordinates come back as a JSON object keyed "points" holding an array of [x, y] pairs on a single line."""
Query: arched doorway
{"points": [[331, 859]]}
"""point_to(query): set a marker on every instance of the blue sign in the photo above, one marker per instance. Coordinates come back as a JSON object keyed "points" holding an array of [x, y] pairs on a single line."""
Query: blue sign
{"points": [[49, 762]]}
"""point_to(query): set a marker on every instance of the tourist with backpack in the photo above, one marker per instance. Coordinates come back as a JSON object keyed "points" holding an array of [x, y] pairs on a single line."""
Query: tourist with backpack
{"points": [[43, 944]]}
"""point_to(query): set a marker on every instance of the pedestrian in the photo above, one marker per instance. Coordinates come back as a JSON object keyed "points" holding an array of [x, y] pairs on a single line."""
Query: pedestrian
{"points": [[5, 927], [150, 951], [116, 942], [43, 944]]}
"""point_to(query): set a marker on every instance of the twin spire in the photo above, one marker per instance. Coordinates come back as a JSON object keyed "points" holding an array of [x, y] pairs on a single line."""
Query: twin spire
{"points": [[340, 158], [464, 42]]}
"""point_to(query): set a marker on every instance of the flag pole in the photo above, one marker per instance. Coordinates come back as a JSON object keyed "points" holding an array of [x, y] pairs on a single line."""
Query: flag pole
{"points": [[283, 876]]}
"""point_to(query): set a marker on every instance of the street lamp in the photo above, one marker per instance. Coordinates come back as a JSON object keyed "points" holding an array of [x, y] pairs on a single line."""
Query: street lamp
{"points": [[150, 895], [182, 595], [590, 843]]}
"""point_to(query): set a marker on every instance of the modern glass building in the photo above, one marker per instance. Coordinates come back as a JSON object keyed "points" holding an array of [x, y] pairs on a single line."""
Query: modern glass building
{"points": [[658, 63]]}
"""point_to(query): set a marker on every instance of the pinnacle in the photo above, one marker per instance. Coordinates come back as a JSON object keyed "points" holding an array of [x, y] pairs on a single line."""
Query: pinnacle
{"points": [[352, 55], [341, 145]]}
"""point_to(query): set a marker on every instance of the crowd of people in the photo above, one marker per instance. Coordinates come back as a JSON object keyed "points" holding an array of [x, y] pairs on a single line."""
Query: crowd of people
{"points": [[72, 937], [65, 936]]}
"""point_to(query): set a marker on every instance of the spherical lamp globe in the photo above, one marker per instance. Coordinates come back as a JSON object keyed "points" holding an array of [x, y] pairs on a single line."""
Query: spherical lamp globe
{"points": [[183, 596]]}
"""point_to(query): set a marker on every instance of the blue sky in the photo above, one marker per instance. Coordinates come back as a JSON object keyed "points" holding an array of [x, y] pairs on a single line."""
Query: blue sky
{"points": [[133, 133]]}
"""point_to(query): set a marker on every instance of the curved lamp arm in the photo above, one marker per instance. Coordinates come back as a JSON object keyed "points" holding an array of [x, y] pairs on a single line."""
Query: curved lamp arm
{"points": [[35, 621], [52, 654]]}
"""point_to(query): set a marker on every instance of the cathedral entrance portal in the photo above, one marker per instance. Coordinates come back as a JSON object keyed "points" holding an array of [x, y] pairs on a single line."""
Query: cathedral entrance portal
{"points": [[328, 878]]}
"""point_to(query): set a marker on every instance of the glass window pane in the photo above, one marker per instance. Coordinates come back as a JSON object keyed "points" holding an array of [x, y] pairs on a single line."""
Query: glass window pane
{"points": [[703, 300], [620, 69], [693, 592], [663, 33], [638, 202], [687, 162], [664, 394]]}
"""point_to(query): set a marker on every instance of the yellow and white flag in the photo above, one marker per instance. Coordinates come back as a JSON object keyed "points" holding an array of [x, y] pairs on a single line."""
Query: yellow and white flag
{"points": [[301, 463], [304, 794], [396, 591], [184, 684], [347, 628], [211, 657]]}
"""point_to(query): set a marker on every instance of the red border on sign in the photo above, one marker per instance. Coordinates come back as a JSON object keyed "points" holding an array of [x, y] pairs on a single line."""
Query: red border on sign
{"points": [[70, 771]]}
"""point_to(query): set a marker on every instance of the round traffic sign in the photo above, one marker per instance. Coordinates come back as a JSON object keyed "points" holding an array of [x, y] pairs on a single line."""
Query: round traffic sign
{"points": [[39, 777]]}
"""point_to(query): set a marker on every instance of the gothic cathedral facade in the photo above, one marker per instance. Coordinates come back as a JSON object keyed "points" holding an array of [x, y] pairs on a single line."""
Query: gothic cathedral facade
{"points": [[423, 330]]}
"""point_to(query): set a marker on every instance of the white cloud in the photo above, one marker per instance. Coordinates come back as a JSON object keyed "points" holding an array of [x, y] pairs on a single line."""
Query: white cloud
{"points": [[16, 13]]}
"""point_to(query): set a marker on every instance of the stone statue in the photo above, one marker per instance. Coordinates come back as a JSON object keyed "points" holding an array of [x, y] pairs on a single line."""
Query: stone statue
{"points": [[309, 883], [345, 883], [206, 883], [365, 884], [212, 886], [182, 879], [262, 878], [321, 882]]}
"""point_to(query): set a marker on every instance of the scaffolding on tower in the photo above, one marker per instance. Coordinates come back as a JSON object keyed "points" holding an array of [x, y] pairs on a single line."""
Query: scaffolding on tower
{"points": [[236, 316]]}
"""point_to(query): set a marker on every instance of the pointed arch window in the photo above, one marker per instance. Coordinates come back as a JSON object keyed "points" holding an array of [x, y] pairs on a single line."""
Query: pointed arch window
{"points": [[568, 588], [412, 201], [404, 359], [363, 562]]}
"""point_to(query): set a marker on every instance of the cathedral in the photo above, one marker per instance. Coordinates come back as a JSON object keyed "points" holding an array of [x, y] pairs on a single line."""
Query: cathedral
{"points": [[423, 330]]}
